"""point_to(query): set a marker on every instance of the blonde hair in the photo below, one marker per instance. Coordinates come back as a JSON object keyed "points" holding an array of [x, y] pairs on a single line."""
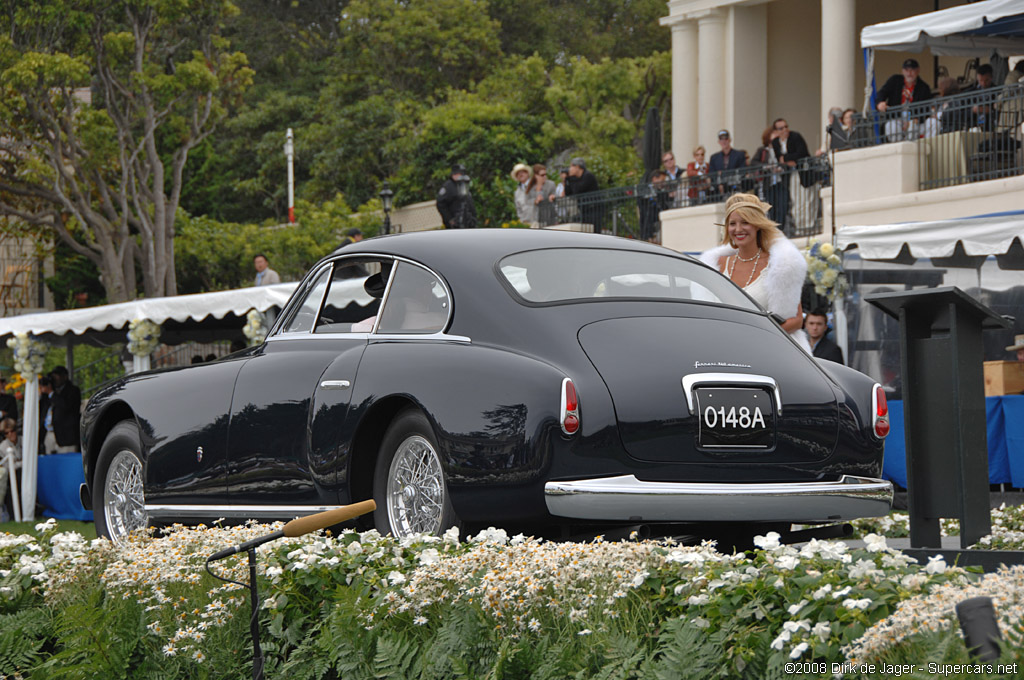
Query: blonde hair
{"points": [[699, 147], [8, 425], [754, 212]]}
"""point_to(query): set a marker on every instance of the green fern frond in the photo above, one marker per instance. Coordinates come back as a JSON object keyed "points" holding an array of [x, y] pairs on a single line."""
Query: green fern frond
{"points": [[22, 635], [395, 657], [684, 651]]}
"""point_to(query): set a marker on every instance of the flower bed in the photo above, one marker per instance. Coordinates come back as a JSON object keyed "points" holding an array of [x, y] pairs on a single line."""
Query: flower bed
{"points": [[366, 606]]}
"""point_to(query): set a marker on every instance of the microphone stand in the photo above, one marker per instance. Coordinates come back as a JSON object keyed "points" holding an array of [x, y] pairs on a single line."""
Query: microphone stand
{"points": [[293, 529]]}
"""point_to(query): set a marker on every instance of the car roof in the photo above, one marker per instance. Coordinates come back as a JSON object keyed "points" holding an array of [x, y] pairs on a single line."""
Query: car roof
{"points": [[450, 249]]}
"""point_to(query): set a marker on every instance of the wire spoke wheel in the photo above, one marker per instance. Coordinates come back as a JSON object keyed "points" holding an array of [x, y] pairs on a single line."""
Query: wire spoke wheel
{"points": [[124, 499], [415, 489]]}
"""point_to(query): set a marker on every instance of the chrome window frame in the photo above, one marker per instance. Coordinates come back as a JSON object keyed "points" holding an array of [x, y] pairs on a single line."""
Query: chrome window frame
{"points": [[294, 304], [373, 335]]}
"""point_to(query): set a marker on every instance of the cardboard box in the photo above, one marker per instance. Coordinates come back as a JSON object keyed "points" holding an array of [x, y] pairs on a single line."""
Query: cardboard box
{"points": [[1004, 377]]}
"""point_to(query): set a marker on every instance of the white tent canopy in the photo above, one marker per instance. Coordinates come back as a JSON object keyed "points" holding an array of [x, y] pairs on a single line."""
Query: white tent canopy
{"points": [[978, 28], [978, 236], [180, 308]]}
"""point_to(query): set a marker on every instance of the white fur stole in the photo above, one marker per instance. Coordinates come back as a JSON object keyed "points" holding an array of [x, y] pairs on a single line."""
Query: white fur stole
{"points": [[784, 276]]}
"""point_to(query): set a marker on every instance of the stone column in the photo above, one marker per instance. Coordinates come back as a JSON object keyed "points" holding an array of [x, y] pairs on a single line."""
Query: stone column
{"points": [[839, 57], [711, 85], [685, 58]]}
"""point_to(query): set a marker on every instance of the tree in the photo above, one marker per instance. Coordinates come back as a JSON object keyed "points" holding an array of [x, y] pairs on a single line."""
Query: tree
{"points": [[419, 47], [598, 110], [106, 176], [562, 30]]}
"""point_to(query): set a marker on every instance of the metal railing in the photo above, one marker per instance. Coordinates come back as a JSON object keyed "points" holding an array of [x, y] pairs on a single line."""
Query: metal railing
{"points": [[189, 353], [634, 211], [98, 371], [969, 137]]}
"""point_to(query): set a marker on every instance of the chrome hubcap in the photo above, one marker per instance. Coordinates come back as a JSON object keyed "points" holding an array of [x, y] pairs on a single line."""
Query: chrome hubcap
{"points": [[124, 501], [416, 491]]}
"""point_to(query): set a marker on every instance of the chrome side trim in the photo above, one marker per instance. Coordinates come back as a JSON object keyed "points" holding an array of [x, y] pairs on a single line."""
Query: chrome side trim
{"points": [[411, 337], [187, 512], [335, 385], [629, 499], [729, 379], [375, 337]]}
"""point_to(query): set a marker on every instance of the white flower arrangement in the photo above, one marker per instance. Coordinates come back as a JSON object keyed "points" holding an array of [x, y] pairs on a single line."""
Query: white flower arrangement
{"points": [[143, 337], [825, 270], [255, 328], [29, 354]]}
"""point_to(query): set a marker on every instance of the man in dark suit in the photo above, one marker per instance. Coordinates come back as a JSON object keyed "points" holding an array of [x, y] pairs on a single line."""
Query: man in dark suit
{"points": [[816, 325], [8, 404], [457, 211], [790, 149], [789, 145], [66, 407], [725, 160], [581, 181]]}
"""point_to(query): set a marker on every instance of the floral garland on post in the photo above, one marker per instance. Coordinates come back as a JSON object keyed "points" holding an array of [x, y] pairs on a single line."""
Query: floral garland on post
{"points": [[29, 354], [143, 337], [825, 270], [255, 328]]}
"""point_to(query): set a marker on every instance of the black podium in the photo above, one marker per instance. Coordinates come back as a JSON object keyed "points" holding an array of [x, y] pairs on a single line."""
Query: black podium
{"points": [[941, 356]]}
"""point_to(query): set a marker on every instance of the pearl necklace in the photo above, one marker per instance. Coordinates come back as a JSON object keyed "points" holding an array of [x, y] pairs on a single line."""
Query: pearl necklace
{"points": [[753, 269], [749, 259]]}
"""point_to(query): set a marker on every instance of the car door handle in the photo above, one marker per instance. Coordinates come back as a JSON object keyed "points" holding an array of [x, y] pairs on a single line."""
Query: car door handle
{"points": [[335, 385]]}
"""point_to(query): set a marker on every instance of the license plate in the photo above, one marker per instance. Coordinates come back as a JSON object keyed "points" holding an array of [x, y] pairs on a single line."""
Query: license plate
{"points": [[735, 418]]}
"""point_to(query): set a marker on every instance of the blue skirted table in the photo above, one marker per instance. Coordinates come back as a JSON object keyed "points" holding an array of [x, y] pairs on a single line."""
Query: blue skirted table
{"points": [[1004, 417], [60, 475]]}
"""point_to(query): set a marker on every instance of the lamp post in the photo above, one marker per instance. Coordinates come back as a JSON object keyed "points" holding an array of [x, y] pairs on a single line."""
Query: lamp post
{"points": [[386, 194], [289, 152]]}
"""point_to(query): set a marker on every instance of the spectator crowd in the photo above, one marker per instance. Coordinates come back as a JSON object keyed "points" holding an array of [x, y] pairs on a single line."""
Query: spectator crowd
{"points": [[783, 171]]}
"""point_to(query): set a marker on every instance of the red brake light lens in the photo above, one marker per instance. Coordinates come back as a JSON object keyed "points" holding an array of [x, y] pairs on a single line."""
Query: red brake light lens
{"points": [[880, 416], [569, 415]]}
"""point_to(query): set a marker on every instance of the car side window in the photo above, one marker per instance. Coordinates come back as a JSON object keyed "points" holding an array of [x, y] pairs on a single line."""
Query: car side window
{"points": [[417, 302], [305, 313], [353, 298]]}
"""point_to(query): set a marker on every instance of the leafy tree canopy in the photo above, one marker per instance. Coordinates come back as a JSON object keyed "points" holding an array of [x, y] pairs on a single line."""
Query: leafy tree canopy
{"points": [[105, 172], [191, 100], [399, 89]]}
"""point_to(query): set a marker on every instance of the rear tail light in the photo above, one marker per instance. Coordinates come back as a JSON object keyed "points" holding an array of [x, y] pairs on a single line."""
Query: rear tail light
{"points": [[879, 413], [569, 414]]}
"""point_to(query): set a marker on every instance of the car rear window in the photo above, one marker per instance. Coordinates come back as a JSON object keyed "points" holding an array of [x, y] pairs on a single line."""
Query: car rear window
{"points": [[567, 274]]}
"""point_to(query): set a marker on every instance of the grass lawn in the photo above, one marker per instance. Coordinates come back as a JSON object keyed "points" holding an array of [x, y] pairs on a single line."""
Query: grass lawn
{"points": [[87, 529]]}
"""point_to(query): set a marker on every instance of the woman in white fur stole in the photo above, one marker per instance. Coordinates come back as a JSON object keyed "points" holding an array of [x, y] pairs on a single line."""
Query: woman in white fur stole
{"points": [[759, 258]]}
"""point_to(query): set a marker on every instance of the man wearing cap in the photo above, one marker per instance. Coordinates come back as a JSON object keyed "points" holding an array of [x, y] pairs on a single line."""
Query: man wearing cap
{"points": [[727, 159], [581, 181], [902, 90], [1018, 347], [457, 212]]}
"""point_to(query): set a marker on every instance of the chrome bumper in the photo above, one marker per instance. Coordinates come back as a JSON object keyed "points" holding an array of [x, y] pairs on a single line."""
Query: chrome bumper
{"points": [[629, 499]]}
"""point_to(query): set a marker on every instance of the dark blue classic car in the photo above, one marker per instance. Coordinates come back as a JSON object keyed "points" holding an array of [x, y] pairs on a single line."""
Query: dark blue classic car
{"points": [[521, 378]]}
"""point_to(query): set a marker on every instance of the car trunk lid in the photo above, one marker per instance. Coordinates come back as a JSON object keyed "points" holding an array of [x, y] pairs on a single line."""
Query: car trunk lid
{"points": [[712, 390]]}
